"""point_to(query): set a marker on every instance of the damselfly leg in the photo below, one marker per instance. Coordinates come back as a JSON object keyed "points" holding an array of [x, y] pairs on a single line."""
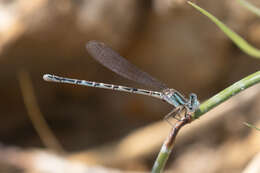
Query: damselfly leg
{"points": [[173, 113]]}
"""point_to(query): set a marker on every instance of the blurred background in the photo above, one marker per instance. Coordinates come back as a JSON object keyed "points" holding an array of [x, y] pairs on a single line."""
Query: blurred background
{"points": [[110, 130]]}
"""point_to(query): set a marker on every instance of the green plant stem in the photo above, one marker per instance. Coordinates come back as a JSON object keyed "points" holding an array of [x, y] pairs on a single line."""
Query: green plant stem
{"points": [[239, 41], [214, 101], [168, 145], [250, 7], [227, 93]]}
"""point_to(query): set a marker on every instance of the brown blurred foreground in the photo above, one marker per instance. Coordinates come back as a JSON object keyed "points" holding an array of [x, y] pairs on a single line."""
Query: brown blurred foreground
{"points": [[200, 143]]}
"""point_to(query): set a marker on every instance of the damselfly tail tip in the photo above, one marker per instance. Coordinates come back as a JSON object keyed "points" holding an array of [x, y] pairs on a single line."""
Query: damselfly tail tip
{"points": [[48, 77], [93, 44]]}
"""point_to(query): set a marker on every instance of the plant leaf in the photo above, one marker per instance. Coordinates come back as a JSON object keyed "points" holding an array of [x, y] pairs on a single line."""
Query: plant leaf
{"points": [[250, 7], [239, 41], [251, 126]]}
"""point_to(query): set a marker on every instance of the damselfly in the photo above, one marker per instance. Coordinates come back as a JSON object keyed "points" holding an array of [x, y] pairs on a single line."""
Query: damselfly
{"points": [[113, 61]]}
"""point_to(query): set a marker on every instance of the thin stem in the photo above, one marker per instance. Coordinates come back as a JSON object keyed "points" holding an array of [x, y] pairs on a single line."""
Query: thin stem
{"points": [[35, 115], [227, 93], [251, 126], [204, 108], [168, 145]]}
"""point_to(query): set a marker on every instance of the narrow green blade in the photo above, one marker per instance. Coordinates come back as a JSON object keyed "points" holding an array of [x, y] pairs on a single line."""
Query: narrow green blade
{"points": [[251, 126], [250, 7], [239, 41]]}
